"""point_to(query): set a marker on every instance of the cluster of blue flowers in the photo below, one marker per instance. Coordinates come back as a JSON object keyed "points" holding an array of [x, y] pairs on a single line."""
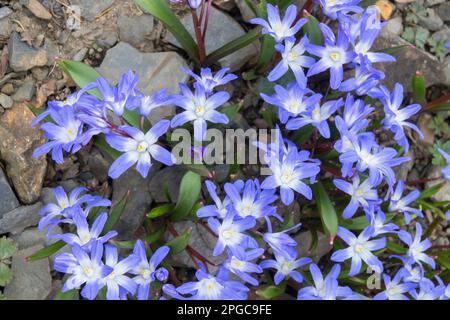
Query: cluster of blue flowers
{"points": [[244, 216]]}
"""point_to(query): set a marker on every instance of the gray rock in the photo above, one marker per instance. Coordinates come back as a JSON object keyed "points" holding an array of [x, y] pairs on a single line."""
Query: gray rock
{"points": [[47, 196], [98, 165], [138, 205], [304, 241], [216, 37], [393, 28], [25, 92], [20, 218], [200, 240], [32, 236], [430, 3], [5, 12], [444, 11], [8, 200], [5, 27], [170, 177], [135, 29], [432, 21], [444, 192], [156, 70], [52, 51], [6, 101], [79, 56], [18, 140], [442, 35], [31, 280], [409, 60], [225, 4], [90, 9], [22, 57]]}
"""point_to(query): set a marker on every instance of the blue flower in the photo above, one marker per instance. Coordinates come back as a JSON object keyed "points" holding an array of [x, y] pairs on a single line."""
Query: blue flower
{"points": [[331, 8], [292, 57], [120, 97], [445, 170], [208, 287], [428, 291], [288, 175], [395, 118], [117, 282], [417, 247], [209, 81], [394, 288], [219, 209], [355, 112], [65, 205], [280, 29], [241, 267], [146, 270], [281, 243], [286, 267], [199, 108], [400, 204], [84, 269], [293, 101], [377, 221], [360, 249], [194, 4], [324, 289], [147, 104], [362, 194], [365, 81], [332, 56], [230, 235], [317, 116], [65, 134], [249, 200], [85, 237], [368, 155], [139, 148]]}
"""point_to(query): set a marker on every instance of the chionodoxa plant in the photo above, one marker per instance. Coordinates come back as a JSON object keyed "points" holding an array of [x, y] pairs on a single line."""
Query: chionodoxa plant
{"points": [[326, 159]]}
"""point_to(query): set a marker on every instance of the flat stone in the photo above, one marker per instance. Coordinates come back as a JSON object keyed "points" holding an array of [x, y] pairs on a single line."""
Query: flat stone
{"points": [[98, 165], [216, 38], [409, 60], [156, 70], [6, 101], [393, 28], [138, 204], [444, 193], [20, 218], [5, 27], [32, 236], [52, 51], [5, 12], [201, 240], [80, 55], [8, 200], [430, 3], [8, 89], [31, 280], [18, 140], [90, 9], [135, 29], [443, 11], [322, 247], [37, 9], [22, 57], [170, 177], [432, 21], [25, 92], [441, 35]]}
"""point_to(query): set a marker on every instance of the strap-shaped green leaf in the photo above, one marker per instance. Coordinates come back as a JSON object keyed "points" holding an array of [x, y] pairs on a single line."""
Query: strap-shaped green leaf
{"points": [[419, 88], [312, 29], [160, 211], [47, 251], [189, 192], [160, 9], [326, 209], [179, 243], [115, 213]]}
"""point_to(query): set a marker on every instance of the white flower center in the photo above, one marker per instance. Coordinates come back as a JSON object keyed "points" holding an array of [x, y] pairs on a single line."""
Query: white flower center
{"points": [[142, 146]]}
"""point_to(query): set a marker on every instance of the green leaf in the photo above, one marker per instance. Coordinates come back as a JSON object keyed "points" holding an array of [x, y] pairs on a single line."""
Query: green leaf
{"points": [[160, 211], [115, 213], [155, 236], [179, 243], [419, 88], [100, 142], [200, 169], [312, 29], [68, 295], [326, 209], [189, 192], [359, 223], [47, 251], [161, 10], [7, 248], [445, 106], [431, 191], [271, 292], [396, 248], [230, 111], [5, 274], [233, 46]]}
